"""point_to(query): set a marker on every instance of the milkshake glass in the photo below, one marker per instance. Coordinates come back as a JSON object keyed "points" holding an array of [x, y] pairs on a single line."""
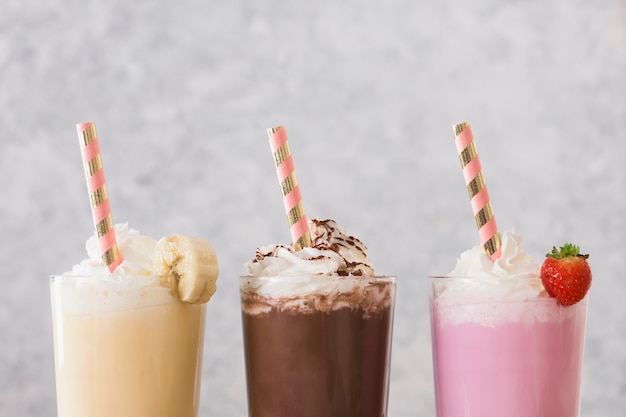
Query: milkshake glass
{"points": [[125, 348], [502, 347], [317, 345]]}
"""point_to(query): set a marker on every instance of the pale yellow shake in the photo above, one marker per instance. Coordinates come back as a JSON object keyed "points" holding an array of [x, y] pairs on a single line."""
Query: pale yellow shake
{"points": [[125, 345]]}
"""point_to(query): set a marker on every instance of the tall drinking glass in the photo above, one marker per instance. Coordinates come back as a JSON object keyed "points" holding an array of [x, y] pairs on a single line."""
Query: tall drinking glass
{"points": [[317, 345], [125, 348], [502, 347]]}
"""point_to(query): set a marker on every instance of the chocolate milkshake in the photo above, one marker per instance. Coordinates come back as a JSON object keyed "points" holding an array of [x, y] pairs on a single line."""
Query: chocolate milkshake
{"points": [[317, 327]]}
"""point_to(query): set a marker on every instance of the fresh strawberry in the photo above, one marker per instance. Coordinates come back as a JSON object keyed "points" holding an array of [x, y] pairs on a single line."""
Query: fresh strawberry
{"points": [[566, 274]]}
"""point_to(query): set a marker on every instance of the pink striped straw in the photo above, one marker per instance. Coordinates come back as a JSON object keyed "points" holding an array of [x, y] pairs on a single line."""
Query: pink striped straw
{"points": [[96, 185], [292, 199], [479, 197]]}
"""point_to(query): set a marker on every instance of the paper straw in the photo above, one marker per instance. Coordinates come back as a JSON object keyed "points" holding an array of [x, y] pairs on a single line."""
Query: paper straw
{"points": [[479, 197], [292, 199], [96, 185]]}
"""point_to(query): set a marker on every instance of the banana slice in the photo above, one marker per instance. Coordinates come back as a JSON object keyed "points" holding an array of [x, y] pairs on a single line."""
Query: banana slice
{"points": [[189, 267]]}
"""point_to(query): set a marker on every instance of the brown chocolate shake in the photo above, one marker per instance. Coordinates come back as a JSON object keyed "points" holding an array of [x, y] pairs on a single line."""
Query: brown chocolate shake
{"points": [[324, 364], [317, 325], [306, 357]]}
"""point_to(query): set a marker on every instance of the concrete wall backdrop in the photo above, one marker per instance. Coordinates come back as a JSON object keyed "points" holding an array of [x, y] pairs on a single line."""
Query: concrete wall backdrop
{"points": [[182, 92]]}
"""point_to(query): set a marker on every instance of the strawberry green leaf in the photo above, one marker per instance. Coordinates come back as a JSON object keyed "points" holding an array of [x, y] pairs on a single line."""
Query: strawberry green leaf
{"points": [[567, 249]]}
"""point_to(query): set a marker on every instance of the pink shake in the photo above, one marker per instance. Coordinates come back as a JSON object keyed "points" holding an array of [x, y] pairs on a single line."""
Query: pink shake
{"points": [[508, 358], [501, 345]]}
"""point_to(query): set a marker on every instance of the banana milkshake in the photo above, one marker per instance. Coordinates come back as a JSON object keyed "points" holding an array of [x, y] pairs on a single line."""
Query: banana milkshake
{"points": [[317, 327], [130, 343]]}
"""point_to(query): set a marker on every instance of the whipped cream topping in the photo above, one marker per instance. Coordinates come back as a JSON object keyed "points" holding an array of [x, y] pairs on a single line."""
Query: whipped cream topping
{"points": [[332, 252], [513, 262], [475, 279], [136, 249], [90, 288], [333, 273]]}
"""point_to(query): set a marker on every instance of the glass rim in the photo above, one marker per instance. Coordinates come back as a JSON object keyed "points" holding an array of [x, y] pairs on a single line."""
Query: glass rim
{"points": [[63, 278], [321, 277], [522, 276]]}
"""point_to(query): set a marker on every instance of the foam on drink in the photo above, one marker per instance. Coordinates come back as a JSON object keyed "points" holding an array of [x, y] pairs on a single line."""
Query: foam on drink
{"points": [[332, 255]]}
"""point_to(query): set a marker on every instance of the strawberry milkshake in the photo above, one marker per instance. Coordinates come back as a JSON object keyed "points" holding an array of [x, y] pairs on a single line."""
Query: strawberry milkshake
{"points": [[502, 345]]}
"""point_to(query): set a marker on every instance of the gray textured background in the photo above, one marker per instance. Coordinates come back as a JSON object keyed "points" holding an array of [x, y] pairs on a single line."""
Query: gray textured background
{"points": [[183, 91]]}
